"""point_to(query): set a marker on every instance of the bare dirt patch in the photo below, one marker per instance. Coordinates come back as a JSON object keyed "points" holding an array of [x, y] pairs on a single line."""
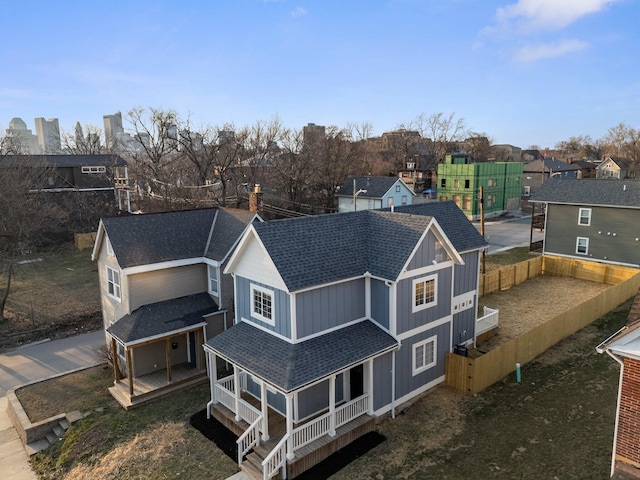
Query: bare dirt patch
{"points": [[534, 302]]}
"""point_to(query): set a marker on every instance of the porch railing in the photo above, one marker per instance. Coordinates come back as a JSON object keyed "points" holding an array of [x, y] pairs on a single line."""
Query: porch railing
{"points": [[225, 395], [488, 321], [249, 439], [353, 409], [275, 460]]}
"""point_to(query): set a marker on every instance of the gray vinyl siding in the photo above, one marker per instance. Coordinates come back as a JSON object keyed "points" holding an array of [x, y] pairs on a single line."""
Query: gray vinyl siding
{"points": [[166, 284], [562, 230], [276, 400], [465, 276], [464, 324], [406, 382], [112, 309], [281, 306], [425, 253], [405, 299], [151, 357], [382, 379], [328, 307], [313, 400], [380, 302]]}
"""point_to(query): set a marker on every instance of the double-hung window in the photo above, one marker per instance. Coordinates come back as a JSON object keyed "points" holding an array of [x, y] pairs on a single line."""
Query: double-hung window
{"points": [[424, 355], [425, 293], [214, 280], [584, 216], [113, 283], [582, 245], [262, 306]]}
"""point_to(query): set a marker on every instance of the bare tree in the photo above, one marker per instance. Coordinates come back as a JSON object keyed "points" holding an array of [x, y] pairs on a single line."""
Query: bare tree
{"points": [[443, 130], [80, 143], [291, 173], [259, 149]]}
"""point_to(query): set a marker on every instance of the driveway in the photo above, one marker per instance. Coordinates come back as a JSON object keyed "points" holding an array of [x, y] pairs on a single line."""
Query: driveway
{"points": [[504, 234]]}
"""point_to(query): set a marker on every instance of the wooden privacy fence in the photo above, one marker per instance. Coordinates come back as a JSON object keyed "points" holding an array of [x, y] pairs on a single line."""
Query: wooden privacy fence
{"points": [[472, 375], [507, 277]]}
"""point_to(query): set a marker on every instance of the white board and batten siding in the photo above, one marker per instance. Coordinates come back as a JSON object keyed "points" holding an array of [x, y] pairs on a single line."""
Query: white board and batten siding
{"points": [[255, 264]]}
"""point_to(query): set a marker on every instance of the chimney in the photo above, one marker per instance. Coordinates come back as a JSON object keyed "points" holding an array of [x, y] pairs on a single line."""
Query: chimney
{"points": [[255, 199]]}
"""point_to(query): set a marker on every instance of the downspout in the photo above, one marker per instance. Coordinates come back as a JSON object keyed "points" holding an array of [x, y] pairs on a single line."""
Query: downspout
{"points": [[393, 385], [615, 428]]}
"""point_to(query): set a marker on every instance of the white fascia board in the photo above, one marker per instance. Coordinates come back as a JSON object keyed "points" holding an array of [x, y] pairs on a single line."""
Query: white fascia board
{"points": [[226, 255], [244, 239], [162, 265], [405, 186], [172, 333], [96, 246]]}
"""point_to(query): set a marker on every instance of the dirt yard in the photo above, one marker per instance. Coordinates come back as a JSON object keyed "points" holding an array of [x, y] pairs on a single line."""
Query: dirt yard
{"points": [[529, 304]]}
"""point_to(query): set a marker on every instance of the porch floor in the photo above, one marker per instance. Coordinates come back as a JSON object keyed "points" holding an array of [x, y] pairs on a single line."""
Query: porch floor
{"points": [[155, 384]]}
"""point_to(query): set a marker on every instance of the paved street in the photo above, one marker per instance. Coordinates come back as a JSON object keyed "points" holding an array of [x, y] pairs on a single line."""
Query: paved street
{"points": [[505, 234]]}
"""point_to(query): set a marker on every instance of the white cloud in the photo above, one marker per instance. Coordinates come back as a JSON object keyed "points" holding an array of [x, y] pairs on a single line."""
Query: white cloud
{"points": [[550, 14], [299, 12], [532, 53]]}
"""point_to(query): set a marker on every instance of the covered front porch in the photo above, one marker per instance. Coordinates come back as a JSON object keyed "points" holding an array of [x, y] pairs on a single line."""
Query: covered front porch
{"points": [[287, 424]]}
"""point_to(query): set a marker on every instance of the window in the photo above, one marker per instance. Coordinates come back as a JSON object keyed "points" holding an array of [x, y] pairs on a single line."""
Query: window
{"points": [[425, 293], [397, 188], [526, 190], [214, 281], [456, 198], [424, 355], [390, 202], [100, 169], [466, 202], [404, 199], [443, 183], [262, 304], [490, 182], [113, 283], [456, 183], [582, 245], [466, 183], [584, 216]]}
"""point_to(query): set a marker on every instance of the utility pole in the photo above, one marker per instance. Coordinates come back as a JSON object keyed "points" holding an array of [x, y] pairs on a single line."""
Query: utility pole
{"points": [[482, 223]]}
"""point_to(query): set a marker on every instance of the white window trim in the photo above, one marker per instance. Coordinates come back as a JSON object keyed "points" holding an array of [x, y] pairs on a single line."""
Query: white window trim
{"points": [[586, 252], [416, 308], [117, 286], [527, 190], [415, 370], [95, 169], [588, 216], [270, 321], [211, 268]]}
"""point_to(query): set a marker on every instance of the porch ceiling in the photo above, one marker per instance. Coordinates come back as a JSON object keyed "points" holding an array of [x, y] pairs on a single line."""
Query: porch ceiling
{"points": [[163, 318], [290, 366]]}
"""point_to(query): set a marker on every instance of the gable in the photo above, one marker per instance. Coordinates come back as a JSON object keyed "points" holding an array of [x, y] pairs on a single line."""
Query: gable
{"points": [[433, 249]]}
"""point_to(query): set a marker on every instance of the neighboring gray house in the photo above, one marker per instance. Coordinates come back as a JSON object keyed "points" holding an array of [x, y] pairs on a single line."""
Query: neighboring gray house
{"points": [[340, 318], [592, 219], [163, 294], [372, 193], [536, 172]]}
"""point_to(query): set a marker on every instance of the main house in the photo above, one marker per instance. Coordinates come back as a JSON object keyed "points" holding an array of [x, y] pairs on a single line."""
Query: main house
{"points": [[339, 319], [592, 219], [364, 193], [163, 294]]}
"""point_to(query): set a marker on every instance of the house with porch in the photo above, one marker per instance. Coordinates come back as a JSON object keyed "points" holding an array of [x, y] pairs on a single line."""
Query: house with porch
{"points": [[363, 193], [340, 319], [164, 294]]}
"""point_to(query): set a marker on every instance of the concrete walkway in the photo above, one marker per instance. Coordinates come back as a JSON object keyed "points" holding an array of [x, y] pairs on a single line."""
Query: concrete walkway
{"points": [[14, 461]]}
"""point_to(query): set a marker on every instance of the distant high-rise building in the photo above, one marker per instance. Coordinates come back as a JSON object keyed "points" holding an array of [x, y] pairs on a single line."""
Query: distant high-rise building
{"points": [[23, 140], [313, 134], [113, 130], [48, 133]]}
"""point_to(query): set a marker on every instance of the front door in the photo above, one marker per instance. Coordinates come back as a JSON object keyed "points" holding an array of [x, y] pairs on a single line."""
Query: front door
{"points": [[356, 381]]}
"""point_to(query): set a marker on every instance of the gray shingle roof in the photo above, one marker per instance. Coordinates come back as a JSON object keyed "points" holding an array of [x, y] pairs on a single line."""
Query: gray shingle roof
{"points": [[291, 366], [375, 187], [460, 231], [589, 191], [161, 237], [64, 160], [162, 318], [325, 248]]}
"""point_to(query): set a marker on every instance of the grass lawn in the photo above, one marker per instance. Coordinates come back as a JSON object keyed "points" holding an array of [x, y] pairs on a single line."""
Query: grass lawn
{"points": [[557, 423], [507, 257]]}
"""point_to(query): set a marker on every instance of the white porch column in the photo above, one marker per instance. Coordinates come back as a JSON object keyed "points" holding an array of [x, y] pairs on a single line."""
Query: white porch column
{"points": [[289, 399], [213, 374], [265, 411], [332, 405], [369, 388], [236, 390]]}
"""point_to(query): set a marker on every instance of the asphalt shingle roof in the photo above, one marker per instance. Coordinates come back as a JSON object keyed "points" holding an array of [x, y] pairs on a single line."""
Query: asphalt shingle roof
{"points": [[320, 249], [291, 366], [460, 231], [589, 191], [161, 237], [64, 160], [162, 318], [375, 187]]}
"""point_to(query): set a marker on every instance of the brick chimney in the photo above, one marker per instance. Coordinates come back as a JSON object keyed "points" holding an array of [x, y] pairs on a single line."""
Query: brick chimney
{"points": [[255, 199]]}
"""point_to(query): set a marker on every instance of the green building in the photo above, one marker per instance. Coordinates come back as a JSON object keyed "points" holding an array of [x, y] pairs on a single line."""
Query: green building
{"points": [[460, 179]]}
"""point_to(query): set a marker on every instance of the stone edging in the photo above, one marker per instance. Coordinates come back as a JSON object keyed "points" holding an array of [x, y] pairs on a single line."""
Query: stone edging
{"points": [[32, 432]]}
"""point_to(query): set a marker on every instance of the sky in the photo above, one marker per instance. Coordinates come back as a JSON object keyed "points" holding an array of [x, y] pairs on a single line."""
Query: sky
{"points": [[524, 72]]}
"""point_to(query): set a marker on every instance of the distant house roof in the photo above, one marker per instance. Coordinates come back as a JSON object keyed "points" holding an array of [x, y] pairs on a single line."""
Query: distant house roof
{"points": [[63, 160], [460, 231], [376, 187], [584, 165], [162, 318], [550, 165], [163, 237], [291, 366], [589, 191], [623, 163]]}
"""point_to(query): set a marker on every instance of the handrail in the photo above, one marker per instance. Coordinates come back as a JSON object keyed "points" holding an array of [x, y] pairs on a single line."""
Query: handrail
{"points": [[249, 439], [488, 321], [308, 432], [353, 409], [276, 459]]}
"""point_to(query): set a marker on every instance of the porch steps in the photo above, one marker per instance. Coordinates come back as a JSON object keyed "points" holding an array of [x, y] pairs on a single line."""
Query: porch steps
{"points": [[50, 437]]}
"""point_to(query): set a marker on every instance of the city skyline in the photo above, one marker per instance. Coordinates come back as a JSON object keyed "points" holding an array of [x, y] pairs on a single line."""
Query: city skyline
{"points": [[524, 72]]}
